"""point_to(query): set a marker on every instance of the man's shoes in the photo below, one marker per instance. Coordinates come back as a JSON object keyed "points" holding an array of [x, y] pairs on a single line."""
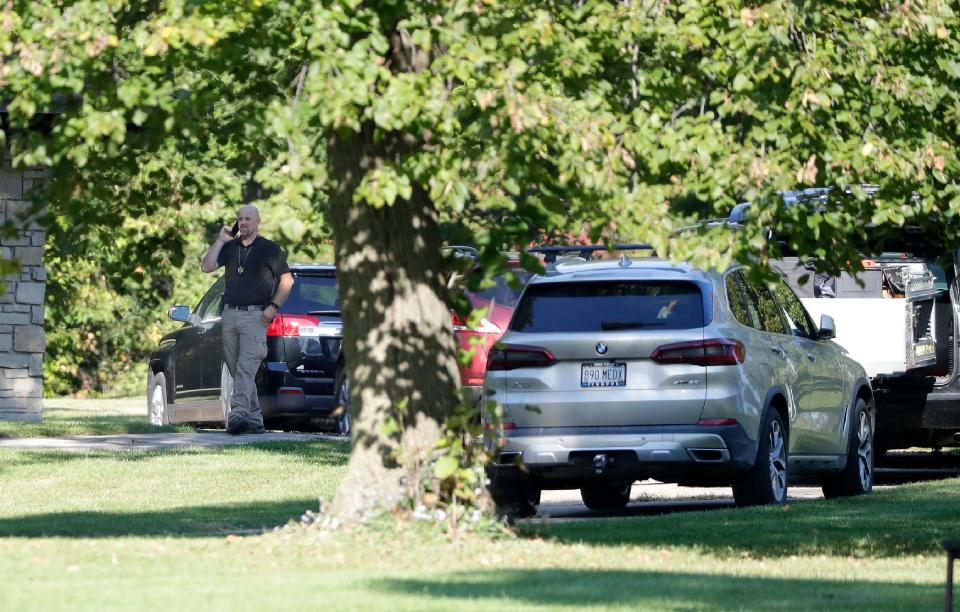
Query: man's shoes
{"points": [[237, 424], [257, 430]]}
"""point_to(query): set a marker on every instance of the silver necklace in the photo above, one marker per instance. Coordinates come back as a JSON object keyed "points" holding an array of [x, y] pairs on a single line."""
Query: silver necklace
{"points": [[246, 253]]}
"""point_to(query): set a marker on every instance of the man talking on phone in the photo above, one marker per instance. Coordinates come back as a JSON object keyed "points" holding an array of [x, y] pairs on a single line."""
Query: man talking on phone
{"points": [[258, 281]]}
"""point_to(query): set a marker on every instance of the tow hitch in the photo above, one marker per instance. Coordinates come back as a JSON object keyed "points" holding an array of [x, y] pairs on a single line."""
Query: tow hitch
{"points": [[600, 462]]}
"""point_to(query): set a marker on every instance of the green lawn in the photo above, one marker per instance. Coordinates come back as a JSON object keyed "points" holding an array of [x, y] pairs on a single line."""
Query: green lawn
{"points": [[184, 529], [74, 417]]}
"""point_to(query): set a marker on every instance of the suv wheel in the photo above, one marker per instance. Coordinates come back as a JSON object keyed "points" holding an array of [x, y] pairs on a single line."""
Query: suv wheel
{"points": [[342, 424], [766, 482], [605, 495], [514, 497], [157, 412], [857, 477]]}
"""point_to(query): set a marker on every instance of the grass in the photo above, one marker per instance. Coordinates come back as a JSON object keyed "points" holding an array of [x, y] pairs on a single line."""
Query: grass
{"points": [[183, 493], [191, 529], [893, 523], [72, 417]]}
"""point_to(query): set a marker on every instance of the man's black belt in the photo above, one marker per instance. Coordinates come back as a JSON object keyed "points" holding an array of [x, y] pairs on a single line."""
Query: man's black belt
{"points": [[243, 306]]}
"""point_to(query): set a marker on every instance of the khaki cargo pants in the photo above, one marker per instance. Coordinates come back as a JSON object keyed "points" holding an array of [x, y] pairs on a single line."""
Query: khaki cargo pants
{"points": [[244, 348]]}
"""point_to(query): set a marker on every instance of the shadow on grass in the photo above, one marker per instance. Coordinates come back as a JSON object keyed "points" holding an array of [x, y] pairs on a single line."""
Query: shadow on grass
{"points": [[88, 426], [321, 452], [664, 590], [191, 521], [911, 519]]}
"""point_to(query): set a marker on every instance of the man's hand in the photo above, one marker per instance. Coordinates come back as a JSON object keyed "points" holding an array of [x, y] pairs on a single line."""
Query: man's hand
{"points": [[268, 314], [209, 261]]}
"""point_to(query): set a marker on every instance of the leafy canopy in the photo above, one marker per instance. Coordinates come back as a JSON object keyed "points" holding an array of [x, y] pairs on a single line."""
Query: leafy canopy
{"points": [[633, 118]]}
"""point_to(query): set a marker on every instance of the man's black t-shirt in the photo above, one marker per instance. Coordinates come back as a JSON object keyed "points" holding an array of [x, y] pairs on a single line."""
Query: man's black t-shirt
{"points": [[262, 264]]}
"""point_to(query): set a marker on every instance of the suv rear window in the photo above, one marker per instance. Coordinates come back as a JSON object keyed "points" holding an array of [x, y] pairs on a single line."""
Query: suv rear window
{"points": [[609, 306], [312, 292]]}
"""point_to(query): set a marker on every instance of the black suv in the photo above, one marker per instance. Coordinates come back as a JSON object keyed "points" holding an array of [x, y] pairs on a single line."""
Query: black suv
{"points": [[302, 382]]}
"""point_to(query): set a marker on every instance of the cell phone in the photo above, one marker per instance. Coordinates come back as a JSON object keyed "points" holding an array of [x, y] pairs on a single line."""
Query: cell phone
{"points": [[234, 228]]}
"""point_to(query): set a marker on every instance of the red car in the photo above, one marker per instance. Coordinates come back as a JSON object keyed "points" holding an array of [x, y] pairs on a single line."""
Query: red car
{"points": [[500, 301]]}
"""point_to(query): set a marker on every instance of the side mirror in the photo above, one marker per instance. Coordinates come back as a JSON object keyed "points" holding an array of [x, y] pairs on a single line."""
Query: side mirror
{"points": [[828, 329], [180, 312]]}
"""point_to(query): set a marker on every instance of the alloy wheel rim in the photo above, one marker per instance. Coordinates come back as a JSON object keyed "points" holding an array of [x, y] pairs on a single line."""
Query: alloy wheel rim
{"points": [[344, 401], [156, 403], [865, 450], [345, 422], [778, 462], [226, 390]]}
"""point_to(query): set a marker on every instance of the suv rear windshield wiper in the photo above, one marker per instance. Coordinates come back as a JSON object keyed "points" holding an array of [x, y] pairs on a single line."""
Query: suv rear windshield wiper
{"points": [[609, 325], [330, 313]]}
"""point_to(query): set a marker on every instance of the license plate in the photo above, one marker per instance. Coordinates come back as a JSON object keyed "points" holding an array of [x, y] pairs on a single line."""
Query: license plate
{"points": [[603, 374]]}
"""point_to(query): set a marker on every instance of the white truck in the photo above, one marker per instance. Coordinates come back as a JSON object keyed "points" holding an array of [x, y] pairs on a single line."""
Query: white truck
{"points": [[898, 318]]}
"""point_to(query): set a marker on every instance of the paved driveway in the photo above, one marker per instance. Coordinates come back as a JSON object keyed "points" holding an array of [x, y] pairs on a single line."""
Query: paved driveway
{"points": [[652, 497]]}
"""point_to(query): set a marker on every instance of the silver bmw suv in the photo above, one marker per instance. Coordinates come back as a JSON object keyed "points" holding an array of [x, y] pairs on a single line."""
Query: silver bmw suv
{"points": [[617, 371]]}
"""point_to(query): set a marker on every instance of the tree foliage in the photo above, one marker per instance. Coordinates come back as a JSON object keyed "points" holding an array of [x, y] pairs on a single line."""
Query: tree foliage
{"points": [[505, 118]]}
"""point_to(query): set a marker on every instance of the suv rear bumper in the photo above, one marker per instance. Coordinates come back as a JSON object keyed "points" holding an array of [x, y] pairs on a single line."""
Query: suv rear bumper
{"points": [[674, 453], [297, 404], [284, 396]]}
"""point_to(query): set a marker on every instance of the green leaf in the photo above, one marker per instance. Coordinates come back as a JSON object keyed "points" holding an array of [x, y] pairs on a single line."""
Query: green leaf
{"points": [[445, 467], [742, 82]]}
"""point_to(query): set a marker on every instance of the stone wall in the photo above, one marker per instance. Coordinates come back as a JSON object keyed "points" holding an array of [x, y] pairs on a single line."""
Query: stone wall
{"points": [[22, 340]]}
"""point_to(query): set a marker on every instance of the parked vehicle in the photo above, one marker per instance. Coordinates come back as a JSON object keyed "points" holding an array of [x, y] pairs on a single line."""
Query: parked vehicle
{"points": [[303, 379], [899, 318], [302, 382], [612, 372], [499, 299]]}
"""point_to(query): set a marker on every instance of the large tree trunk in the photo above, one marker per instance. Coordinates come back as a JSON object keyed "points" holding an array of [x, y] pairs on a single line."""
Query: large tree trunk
{"points": [[400, 353]]}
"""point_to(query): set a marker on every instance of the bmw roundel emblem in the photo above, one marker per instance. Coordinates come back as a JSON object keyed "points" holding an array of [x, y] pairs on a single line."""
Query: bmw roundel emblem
{"points": [[601, 348]]}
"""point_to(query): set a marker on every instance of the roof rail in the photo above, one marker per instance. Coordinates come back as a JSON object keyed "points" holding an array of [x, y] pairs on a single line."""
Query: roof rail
{"points": [[738, 215], [716, 222], [585, 251]]}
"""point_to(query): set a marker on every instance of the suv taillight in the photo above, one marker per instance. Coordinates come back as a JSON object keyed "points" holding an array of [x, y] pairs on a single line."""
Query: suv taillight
{"points": [[513, 356], [713, 352], [290, 325]]}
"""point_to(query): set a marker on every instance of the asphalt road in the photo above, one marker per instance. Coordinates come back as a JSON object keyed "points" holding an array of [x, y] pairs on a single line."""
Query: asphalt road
{"points": [[650, 497]]}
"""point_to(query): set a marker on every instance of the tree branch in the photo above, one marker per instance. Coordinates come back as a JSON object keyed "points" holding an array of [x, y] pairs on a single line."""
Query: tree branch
{"points": [[301, 77]]}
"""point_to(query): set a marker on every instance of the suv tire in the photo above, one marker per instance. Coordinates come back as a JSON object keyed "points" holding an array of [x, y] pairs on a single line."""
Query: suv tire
{"points": [[342, 423], [857, 477], [766, 481], [157, 409], [605, 495], [514, 497]]}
